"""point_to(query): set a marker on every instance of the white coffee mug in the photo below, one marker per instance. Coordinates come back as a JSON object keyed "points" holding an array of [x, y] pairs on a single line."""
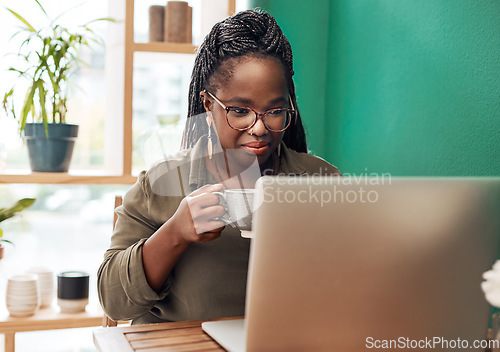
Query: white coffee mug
{"points": [[239, 207]]}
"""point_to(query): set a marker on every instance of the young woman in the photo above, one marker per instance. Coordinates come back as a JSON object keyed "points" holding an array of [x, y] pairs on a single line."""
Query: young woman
{"points": [[171, 258]]}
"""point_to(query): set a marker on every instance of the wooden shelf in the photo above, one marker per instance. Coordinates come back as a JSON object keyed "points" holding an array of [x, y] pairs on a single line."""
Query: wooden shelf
{"points": [[65, 178], [47, 319], [160, 47], [50, 319]]}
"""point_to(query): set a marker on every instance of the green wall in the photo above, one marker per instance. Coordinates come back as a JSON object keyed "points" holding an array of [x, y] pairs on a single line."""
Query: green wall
{"points": [[401, 86]]}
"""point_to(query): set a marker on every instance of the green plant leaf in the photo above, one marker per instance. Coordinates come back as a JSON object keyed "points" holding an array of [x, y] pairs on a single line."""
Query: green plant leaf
{"points": [[63, 13], [42, 94], [13, 111], [27, 106], [41, 7], [20, 205], [10, 242], [6, 97], [16, 70], [20, 18], [110, 19], [33, 112], [5, 215]]}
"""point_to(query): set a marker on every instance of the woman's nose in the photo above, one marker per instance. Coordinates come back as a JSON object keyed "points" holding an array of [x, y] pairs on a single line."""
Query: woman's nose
{"points": [[259, 129]]}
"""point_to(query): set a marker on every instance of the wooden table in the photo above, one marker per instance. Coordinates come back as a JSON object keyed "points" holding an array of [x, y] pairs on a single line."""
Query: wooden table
{"points": [[165, 337], [47, 319]]}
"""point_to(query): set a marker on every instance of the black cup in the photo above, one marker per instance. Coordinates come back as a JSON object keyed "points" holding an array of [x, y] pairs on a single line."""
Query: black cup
{"points": [[73, 285], [72, 291]]}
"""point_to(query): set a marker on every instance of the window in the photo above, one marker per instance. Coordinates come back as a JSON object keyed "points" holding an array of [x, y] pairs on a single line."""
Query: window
{"points": [[87, 108], [118, 135]]}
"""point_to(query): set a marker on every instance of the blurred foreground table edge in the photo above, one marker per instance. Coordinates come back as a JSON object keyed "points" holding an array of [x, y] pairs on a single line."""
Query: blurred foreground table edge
{"points": [[182, 335]]}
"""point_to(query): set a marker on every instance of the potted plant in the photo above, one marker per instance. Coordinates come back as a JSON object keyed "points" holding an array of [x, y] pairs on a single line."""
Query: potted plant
{"points": [[50, 55], [6, 213]]}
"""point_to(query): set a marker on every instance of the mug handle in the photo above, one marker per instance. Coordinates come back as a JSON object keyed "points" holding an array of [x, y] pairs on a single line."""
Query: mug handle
{"points": [[226, 219]]}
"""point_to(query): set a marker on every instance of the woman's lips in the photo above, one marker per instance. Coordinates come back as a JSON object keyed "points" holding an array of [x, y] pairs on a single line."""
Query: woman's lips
{"points": [[258, 148]]}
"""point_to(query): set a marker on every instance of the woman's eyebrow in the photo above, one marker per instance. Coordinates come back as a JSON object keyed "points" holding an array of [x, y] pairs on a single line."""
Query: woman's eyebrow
{"points": [[242, 100], [239, 100]]}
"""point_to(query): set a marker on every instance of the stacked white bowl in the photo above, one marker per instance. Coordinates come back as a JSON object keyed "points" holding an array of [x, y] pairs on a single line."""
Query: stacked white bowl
{"points": [[22, 295], [46, 285]]}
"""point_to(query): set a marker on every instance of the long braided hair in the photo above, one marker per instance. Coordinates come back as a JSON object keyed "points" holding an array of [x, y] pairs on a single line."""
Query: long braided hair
{"points": [[245, 33]]}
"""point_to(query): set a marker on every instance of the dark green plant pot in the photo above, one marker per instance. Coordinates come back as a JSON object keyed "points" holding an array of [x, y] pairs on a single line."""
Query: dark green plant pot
{"points": [[52, 153]]}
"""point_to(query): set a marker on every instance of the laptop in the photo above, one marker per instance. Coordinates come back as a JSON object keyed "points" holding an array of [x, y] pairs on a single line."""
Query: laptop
{"points": [[350, 264]]}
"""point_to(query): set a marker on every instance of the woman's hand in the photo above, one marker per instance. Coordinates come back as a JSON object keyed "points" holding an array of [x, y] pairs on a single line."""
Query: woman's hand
{"points": [[196, 217], [194, 221]]}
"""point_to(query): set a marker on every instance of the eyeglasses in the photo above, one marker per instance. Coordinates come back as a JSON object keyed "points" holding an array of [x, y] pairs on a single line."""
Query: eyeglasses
{"points": [[241, 118]]}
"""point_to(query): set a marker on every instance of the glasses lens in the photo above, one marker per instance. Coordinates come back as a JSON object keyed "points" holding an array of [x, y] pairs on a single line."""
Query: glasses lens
{"points": [[240, 118], [277, 119]]}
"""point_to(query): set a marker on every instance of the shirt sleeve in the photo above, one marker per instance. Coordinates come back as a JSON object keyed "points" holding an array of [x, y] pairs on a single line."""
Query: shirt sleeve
{"points": [[123, 290]]}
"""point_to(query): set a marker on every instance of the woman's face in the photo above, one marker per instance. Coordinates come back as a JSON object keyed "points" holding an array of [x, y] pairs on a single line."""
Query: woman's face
{"points": [[258, 83]]}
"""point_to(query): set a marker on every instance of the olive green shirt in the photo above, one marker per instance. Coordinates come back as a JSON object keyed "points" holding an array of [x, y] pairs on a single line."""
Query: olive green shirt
{"points": [[209, 280]]}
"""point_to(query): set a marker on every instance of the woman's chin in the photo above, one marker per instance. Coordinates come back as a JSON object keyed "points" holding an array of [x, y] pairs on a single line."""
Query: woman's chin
{"points": [[251, 157]]}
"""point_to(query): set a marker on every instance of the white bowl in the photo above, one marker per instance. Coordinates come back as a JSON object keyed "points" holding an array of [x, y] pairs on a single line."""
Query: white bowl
{"points": [[46, 299], [47, 289], [46, 303], [22, 299], [22, 307], [43, 274], [22, 293], [22, 288], [45, 281], [22, 283], [32, 303], [23, 278], [17, 312], [21, 310]]}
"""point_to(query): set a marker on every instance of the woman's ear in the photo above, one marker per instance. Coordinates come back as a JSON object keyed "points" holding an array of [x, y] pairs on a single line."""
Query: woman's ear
{"points": [[207, 102]]}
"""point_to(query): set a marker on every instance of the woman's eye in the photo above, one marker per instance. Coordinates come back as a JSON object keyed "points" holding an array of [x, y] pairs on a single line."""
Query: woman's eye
{"points": [[277, 112], [240, 111]]}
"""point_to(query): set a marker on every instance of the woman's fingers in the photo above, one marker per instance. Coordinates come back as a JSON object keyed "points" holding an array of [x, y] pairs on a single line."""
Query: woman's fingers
{"points": [[212, 212], [208, 236], [209, 228], [207, 189], [206, 219], [204, 200], [205, 209]]}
